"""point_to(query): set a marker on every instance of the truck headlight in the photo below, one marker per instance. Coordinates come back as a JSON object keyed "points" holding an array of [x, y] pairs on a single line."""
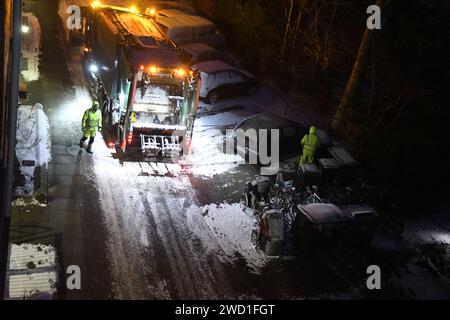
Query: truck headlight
{"points": [[93, 67]]}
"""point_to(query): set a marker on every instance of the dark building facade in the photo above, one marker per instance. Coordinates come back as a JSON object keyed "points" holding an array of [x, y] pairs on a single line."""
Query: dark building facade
{"points": [[10, 11]]}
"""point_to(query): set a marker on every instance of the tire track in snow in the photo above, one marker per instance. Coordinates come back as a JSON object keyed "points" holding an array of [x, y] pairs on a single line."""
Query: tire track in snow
{"points": [[121, 243], [191, 269], [166, 263], [170, 263]]}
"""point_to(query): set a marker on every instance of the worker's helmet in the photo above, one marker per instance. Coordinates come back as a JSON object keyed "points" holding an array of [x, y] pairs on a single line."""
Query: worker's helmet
{"points": [[312, 130], [95, 105]]}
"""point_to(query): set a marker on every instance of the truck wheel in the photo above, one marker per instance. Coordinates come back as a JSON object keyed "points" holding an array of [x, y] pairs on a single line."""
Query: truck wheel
{"points": [[213, 96]]}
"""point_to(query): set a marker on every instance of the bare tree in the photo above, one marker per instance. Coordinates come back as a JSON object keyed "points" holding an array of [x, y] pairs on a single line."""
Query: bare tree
{"points": [[345, 106]]}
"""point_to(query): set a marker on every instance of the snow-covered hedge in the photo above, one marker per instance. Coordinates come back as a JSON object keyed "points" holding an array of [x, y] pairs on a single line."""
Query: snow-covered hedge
{"points": [[33, 144]]}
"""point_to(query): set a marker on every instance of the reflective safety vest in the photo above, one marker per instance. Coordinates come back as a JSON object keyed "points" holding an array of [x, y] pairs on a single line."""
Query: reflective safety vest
{"points": [[310, 142], [92, 119]]}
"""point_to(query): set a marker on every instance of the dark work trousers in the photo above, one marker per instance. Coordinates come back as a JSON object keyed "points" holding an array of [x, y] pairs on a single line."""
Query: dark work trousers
{"points": [[91, 139]]}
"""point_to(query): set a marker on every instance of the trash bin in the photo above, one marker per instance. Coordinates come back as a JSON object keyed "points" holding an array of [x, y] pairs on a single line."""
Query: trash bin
{"points": [[330, 169], [326, 223], [309, 175], [273, 220]]}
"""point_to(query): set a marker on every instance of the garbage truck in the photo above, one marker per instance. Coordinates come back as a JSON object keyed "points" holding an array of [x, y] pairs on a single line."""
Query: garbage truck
{"points": [[148, 94]]}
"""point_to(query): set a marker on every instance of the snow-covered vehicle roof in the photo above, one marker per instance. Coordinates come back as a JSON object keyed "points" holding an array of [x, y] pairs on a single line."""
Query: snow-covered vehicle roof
{"points": [[142, 5], [218, 66], [138, 25], [156, 49], [181, 21], [162, 5], [212, 66], [197, 48], [171, 13]]}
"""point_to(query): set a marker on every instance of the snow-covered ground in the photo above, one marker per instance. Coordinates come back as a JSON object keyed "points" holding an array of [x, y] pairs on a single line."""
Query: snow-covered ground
{"points": [[161, 243], [33, 143], [208, 156], [426, 243], [225, 230], [161, 215], [154, 250], [31, 271]]}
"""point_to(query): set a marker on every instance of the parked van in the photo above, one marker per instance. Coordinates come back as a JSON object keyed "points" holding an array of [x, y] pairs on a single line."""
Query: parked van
{"points": [[169, 13], [183, 29], [153, 8], [201, 52]]}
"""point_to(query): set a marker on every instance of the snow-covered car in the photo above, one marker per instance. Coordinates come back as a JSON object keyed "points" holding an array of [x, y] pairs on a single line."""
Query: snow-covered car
{"points": [[171, 13], [290, 135], [183, 29], [153, 8], [201, 52], [220, 80]]}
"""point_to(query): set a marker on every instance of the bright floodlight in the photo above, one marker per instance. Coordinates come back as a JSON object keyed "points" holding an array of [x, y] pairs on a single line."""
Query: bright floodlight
{"points": [[95, 4], [93, 68], [154, 69], [25, 29]]}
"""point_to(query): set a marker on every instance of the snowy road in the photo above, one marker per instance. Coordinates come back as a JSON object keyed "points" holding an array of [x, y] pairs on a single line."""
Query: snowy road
{"points": [[159, 243], [151, 231]]}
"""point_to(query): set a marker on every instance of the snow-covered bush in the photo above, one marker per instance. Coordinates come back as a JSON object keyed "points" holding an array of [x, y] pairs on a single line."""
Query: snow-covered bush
{"points": [[33, 144]]}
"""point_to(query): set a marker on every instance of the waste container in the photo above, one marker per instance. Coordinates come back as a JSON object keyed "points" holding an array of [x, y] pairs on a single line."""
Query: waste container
{"points": [[272, 232], [325, 222]]}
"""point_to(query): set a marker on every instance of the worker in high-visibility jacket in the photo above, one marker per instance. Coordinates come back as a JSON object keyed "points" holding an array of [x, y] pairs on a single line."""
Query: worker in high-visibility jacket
{"points": [[310, 143], [92, 122]]}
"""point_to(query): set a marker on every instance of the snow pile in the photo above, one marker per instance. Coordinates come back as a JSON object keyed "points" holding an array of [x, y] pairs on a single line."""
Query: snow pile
{"points": [[32, 271], [153, 95], [33, 143], [227, 232], [208, 156], [31, 202], [31, 256], [221, 120]]}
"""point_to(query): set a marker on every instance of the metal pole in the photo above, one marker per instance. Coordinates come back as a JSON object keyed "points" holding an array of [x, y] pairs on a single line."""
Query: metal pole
{"points": [[13, 102]]}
